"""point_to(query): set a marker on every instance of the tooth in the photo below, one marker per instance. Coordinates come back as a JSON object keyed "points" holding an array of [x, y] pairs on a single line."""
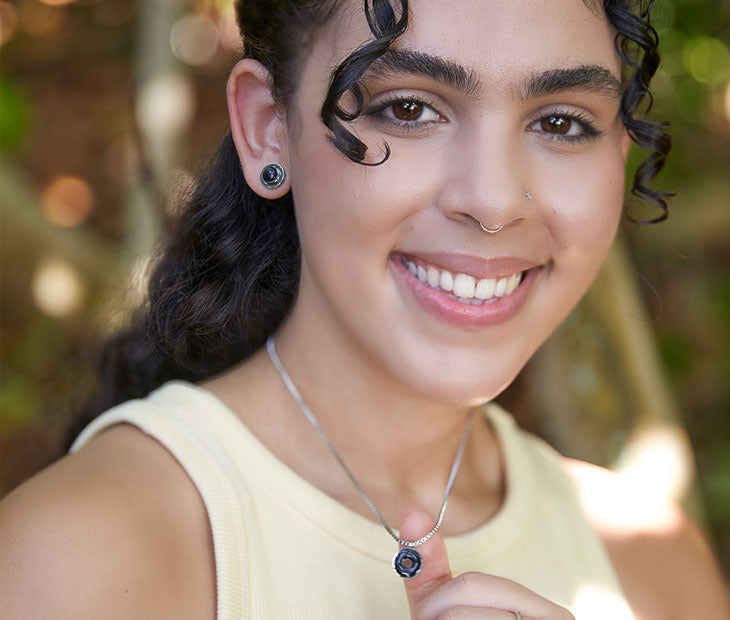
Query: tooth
{"points": [[501, 287], [412, 268], [464, 286], [447, 281], [510, 285], [513, 283], [485, 288], [476, 302], [421, 274], [434, 277]]}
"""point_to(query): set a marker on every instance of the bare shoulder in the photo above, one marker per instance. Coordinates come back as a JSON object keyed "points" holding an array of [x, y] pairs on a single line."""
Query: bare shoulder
{"points": [[116, 530], [663, 561]]}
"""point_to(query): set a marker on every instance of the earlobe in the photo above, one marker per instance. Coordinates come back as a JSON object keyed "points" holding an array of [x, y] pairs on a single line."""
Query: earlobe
{"points": [[257, 127]]}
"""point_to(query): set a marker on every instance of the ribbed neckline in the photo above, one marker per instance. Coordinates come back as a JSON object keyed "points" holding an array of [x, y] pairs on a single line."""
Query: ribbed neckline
{"points": [[367, 536]]}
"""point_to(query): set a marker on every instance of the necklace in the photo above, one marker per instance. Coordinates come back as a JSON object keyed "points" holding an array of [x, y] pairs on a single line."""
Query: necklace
{"points": [[407, 562]]}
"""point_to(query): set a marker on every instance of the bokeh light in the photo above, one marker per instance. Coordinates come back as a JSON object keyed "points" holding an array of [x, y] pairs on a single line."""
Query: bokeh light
{"points": [[165, 106], [57, 288], [706, 59], [229, 35], [596, 602], [194, 39], [57, 2], [657, 463], [67, 201], [8, 22]]}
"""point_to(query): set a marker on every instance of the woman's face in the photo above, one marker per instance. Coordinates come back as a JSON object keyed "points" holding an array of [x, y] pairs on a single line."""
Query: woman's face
{"points": [[483, 102]]}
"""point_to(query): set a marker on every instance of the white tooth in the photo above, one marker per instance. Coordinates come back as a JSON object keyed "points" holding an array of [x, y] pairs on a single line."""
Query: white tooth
{"points": [[447, 281], [434, 277], [510, 285], [513, 283], [421, 274], [501, 287], [485, 288], [412, 268], [464, 286]]}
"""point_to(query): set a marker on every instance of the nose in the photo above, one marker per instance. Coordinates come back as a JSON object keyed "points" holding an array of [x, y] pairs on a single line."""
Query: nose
{"points": [[485, 183]]}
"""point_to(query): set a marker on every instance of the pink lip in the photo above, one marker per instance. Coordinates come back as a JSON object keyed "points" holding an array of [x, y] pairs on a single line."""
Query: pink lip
{"points": [[438, 304]]}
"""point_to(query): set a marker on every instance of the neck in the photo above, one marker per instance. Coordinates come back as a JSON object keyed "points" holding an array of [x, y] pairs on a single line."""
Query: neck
{"points": [[386, 431], [399, 445]]}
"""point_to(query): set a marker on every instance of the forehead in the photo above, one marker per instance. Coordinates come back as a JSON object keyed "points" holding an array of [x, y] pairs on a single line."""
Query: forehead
{"points": [[501, 37], [502, 41]]}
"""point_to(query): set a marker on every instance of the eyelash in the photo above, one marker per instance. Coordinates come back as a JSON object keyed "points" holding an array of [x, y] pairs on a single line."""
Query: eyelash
{"points": [[406, 126], [591, 132], [589, 129]]}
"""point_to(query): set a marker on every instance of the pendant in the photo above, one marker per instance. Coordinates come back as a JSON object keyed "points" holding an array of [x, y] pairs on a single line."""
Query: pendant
{"points": [[407, 563]]}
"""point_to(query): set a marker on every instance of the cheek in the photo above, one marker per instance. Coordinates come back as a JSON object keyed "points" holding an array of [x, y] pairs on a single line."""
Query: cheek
{"points": [[584, 198], [359, 210], [343, 222]]}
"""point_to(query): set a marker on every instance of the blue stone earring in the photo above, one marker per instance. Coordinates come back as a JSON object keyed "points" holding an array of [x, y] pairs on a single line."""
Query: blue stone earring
{"points": [[272, 176]]}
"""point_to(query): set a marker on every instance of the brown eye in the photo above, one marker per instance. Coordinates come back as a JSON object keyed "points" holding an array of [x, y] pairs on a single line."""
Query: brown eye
{"points": [[556, 124], [407, 110]]}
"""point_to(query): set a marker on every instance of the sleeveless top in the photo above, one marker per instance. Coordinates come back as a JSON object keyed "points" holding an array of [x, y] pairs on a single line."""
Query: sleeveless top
{"points": [[285, 549]]}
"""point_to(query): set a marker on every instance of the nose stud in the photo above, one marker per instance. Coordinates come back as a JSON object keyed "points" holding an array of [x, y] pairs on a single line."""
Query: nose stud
{"points": [[528, 195]]}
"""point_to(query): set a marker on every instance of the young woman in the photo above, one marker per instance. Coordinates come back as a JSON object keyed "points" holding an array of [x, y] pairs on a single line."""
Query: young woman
{"points": [[411, 198]]}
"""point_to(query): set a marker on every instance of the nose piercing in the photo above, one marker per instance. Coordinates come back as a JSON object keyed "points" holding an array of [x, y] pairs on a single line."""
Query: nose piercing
{"points": [[491, 231], [494, 231], [272, 176]]}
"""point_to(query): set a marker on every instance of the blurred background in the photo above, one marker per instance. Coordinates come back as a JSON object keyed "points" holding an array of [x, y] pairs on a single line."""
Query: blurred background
{"points": [[108, 108]]}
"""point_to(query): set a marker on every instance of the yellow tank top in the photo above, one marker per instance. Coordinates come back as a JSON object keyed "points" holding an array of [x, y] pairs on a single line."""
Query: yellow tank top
{"points": [[284, 549]]}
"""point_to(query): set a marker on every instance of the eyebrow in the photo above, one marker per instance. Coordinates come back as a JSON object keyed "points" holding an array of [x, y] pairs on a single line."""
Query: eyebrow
{"points": [[400, 61], [590, 77]]}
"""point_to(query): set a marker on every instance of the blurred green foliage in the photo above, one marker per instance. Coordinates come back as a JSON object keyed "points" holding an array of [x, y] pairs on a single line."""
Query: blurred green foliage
{"points": [[15, 115]]}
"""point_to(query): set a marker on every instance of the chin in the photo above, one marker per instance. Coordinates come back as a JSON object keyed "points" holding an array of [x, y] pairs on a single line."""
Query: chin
{"points": [[460, 383]]}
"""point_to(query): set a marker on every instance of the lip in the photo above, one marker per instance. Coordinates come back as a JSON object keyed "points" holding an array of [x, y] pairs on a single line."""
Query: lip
{"points": [[466, 315]]}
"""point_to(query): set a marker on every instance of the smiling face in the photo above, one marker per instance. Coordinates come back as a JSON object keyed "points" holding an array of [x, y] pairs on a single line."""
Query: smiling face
{"points": [[482, 103]]}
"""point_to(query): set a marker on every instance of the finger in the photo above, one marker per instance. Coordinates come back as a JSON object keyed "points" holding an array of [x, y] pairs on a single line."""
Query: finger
{"points": [[435, 571], [491, 592]]}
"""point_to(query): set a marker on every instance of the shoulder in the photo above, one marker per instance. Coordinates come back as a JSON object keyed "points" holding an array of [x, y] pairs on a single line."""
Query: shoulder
{"points": [[663, 561], [115, 530]]}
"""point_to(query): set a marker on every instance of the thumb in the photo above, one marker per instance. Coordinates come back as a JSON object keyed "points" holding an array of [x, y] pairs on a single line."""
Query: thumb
{"points": [[435, 571]]}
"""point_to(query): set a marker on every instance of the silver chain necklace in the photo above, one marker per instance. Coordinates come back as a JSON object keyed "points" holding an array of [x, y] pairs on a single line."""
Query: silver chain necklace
{"points": [[407, 562]]}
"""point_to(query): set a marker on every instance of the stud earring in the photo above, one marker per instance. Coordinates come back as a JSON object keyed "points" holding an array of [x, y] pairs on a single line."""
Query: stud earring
{"points": [[272, 176]]}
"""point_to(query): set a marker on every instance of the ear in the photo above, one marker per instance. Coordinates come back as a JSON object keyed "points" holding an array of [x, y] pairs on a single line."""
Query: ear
{"points": [[625, 144], [258, 129]]}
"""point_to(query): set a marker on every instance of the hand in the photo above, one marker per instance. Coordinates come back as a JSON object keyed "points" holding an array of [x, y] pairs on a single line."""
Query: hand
{"points": [[436, 595]]}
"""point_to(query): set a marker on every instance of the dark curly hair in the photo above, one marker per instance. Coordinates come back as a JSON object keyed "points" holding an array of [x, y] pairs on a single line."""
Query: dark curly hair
{"points": [[229, 270]]}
